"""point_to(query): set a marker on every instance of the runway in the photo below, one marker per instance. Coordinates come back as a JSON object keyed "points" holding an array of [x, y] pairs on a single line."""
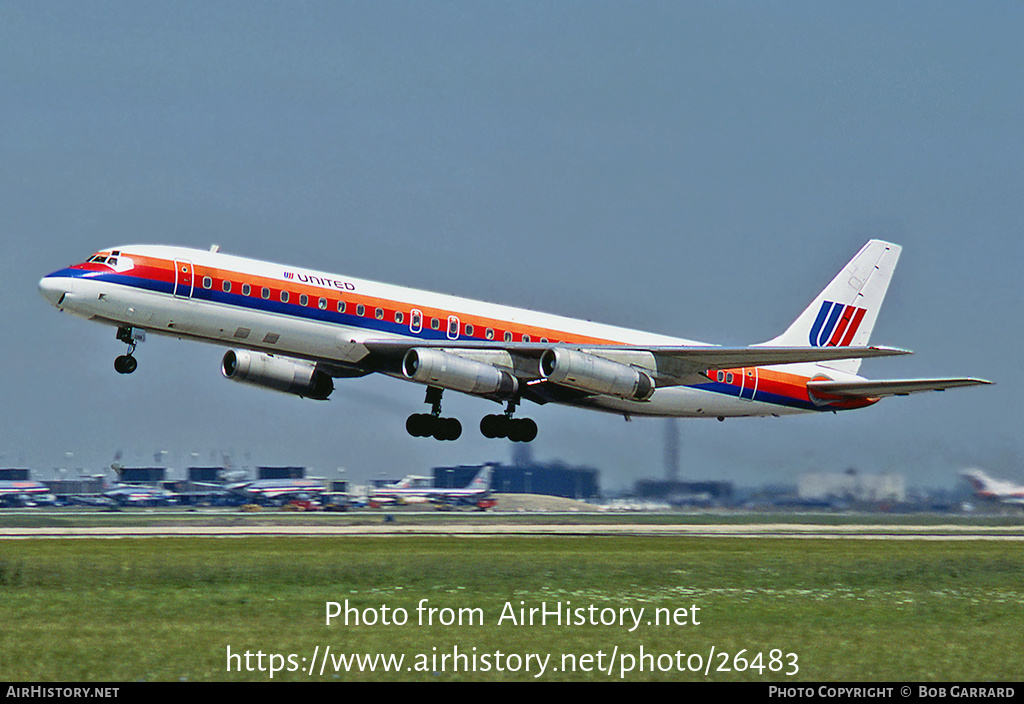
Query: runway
{"points": [[483, 530]]}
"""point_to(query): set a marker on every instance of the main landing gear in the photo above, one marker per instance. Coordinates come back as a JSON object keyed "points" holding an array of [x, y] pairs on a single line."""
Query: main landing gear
{"points": [[422, 425], [126, 363], [505, 426]]}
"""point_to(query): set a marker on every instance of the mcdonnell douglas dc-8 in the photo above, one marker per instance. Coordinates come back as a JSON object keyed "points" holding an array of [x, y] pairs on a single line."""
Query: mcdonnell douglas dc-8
{"points": [[296, 330]]}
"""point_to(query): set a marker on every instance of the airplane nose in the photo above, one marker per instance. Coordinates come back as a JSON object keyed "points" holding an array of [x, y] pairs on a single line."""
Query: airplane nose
{"points": [[55, 288]]}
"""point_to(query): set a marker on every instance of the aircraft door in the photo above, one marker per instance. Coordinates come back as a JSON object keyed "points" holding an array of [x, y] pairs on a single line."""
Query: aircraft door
{"points": [[183, 279], [748, 383]]}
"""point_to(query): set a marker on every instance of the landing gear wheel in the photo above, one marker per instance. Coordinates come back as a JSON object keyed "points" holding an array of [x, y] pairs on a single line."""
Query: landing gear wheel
{"points": [[424, 425], [125, 364], [523, 430], [447, 429], [491, 426], [515, 429], [420, 425]]}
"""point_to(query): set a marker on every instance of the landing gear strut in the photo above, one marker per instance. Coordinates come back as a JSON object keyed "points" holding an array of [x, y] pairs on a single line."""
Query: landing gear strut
{"points": [[126, 363], [422, 425], [505, 426]]}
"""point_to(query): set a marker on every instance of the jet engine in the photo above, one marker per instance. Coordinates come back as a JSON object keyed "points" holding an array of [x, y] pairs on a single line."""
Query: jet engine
{"points": [[587, 372], [450, 371], [278, 373]]}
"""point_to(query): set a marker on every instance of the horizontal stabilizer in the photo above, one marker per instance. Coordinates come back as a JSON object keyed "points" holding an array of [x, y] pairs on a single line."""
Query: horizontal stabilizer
{"points": [[887, 387]]}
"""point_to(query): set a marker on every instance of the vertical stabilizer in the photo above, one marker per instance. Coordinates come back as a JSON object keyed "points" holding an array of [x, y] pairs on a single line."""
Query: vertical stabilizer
{"points": [[482, 480], [844, 313]]}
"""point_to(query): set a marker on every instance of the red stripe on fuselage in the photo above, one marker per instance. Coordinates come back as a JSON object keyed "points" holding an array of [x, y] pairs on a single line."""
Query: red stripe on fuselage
{"points": [[163, 270]]}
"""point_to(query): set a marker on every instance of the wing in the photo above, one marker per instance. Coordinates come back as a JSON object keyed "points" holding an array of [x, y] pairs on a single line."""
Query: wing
{"points": [[886, 387], [667, 365]]}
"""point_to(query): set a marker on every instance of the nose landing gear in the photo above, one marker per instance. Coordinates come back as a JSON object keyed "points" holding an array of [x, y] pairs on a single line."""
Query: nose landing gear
{"points": [[126, 363]]}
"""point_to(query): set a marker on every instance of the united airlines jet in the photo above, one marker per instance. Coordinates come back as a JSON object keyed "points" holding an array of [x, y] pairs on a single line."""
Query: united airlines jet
{"points": [[296, 330]]}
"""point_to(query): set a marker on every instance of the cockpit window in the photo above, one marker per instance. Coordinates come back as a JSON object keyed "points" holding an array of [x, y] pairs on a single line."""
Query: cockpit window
{"points": [[112, 259]]}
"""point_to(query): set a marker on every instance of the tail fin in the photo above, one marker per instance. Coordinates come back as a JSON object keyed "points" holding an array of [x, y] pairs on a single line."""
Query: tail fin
{"points": [[978, 480], [844, 313], [482, 480]]}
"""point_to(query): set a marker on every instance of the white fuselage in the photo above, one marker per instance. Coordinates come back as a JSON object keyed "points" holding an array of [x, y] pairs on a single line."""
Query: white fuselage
{"points": [[325, 318]]}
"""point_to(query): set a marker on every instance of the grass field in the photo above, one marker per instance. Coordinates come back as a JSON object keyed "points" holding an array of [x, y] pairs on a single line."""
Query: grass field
{"points": [[169, 609]]}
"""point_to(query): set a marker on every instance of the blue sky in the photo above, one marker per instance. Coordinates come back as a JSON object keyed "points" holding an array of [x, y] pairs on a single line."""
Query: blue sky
{"points": [[694, 169]]}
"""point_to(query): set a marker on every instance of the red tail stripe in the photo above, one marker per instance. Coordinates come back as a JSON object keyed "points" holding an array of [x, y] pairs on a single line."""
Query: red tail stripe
{"points": [[852, 330]]}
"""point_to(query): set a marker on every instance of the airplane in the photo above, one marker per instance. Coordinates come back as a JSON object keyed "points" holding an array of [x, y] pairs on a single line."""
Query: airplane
{"points": [[131, 494], [476, 493], [20, 493], [120, 494], [276, 491], [407, 491], [388, 493], [295, 330], [140, 495], [985, 487]]}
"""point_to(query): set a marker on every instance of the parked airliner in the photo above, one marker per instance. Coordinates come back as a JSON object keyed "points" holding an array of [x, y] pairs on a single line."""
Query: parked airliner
{"points": [[25, 493], [476, 493], [295, 330], [987, 488]]}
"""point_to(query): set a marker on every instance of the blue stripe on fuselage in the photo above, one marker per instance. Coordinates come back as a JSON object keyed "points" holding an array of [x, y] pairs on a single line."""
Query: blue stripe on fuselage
{"points": [[292, 310], [250, 302]]}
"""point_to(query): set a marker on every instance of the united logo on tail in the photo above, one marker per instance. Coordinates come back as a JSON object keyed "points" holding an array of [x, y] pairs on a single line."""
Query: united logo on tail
{"points": [[835, 325]]}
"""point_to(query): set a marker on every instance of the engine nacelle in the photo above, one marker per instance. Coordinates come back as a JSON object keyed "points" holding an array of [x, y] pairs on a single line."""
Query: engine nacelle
{"points": [[278, 373], [587, 372], [450, 371]]}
